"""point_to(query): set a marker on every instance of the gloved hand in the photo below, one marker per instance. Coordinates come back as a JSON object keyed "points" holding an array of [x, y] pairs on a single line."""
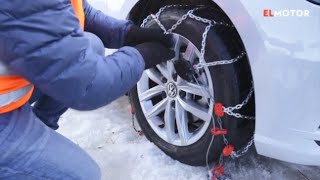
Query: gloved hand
{"points": [[154, 53], [137, 35], [184, 69]]}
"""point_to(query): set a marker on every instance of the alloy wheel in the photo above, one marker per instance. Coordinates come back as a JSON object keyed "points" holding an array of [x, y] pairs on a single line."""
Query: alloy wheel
{"points": [[179, 111]]}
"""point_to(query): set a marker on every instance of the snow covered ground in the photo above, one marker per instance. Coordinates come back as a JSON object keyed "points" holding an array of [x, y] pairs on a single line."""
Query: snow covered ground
{"points": [[107, 135]]}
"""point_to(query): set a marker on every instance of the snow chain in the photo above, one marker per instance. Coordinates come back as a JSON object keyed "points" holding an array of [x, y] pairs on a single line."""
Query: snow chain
{"points": [[219, 109], [133, 119]]}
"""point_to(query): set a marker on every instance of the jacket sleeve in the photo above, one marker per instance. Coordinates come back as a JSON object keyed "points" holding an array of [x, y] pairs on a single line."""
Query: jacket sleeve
{"points": [[110, 30], [44, 43]]}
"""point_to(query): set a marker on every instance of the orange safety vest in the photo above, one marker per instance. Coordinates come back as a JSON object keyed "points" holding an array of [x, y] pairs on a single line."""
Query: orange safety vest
{"points": [[15, 91], [78, 9]]}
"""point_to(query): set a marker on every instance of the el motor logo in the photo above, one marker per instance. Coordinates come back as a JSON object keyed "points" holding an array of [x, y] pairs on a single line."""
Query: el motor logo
{"points": [[286, 13]]}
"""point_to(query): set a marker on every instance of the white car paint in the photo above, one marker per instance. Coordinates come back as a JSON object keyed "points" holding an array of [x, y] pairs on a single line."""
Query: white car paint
{"points": [[284, 54]]}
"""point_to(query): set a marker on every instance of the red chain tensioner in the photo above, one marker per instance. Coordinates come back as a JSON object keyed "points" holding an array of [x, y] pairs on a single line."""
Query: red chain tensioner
{"points": [[218, 110], [217, 131], [227, 151], [217, 171]]}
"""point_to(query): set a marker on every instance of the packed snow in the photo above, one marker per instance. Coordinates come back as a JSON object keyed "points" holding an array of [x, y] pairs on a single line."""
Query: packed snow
{"points": [[107, 135]]}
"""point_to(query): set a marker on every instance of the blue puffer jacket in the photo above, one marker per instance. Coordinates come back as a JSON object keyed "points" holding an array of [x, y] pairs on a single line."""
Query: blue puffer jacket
{"points": [[42, 41]]}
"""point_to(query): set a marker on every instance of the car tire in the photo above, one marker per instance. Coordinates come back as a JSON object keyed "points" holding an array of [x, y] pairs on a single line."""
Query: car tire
{"points": [[232, 83]]}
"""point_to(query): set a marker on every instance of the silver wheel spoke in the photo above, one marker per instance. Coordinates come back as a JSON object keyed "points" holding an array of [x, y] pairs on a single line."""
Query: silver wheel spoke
{"points": [[182, 123], [170, 70], [195, 109], [154, 76], [164, 70], [177, 46], [158, 108], [169, 119], [150, 93], [190, 53], [195, 89]]}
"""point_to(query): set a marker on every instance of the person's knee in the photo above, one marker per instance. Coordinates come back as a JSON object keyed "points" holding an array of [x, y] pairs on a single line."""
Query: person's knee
{"points": [[87, 168], [93, 171], [49, 154]]}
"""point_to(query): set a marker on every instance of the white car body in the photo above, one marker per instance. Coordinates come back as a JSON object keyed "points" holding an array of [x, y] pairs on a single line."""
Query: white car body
{"points": [[284, 55]]}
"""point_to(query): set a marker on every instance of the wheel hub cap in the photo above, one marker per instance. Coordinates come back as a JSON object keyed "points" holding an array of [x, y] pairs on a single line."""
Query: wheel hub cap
{"points": [[172, 90]]}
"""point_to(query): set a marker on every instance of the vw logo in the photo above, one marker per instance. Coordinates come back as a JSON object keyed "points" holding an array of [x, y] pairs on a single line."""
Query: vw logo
{"points": [[172, 90]]}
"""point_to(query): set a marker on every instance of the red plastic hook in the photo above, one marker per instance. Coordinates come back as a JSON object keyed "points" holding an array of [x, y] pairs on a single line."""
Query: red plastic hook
{"points": [[217, 171], [227, 151], [218, 110], [217, 131]]}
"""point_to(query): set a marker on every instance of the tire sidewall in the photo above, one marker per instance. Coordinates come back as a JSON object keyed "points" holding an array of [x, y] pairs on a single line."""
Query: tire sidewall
{"points": [[225, 81]]}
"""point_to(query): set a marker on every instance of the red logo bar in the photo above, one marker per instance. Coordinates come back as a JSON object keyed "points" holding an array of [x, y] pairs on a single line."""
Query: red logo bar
{"points": [[267, 13]]}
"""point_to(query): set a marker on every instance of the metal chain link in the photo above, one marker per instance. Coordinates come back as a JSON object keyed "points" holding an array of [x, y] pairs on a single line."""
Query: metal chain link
{"points": [[154, 17], [203, 45], [245, 102], [184, 17], [225, 140], [229, 110], [221, 159], [145, 21], [242, 151], [198, 18], [221, 62]]}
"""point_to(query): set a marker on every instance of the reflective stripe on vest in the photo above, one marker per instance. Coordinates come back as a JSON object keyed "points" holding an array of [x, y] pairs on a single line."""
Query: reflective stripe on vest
{"points": [[14, 96], [78, 9], [15, 99], [15, 91]]}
